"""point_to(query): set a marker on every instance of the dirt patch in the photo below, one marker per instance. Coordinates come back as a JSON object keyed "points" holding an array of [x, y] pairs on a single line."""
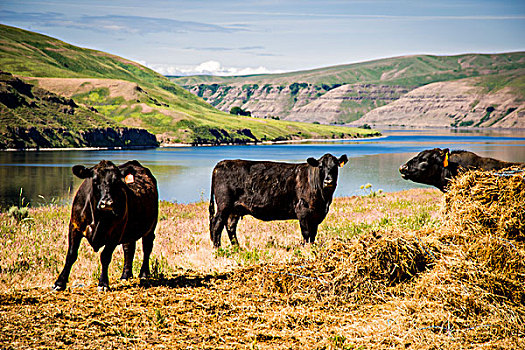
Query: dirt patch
{"points": [[133, 122], [72, 86], [394, 73]]}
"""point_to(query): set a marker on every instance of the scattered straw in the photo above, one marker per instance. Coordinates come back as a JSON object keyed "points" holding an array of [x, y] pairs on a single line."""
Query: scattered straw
{"points": [[460, 284]]}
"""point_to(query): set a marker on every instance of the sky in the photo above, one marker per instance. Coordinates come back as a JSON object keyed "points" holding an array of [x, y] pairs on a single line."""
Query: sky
{"points": [[233, 37]]}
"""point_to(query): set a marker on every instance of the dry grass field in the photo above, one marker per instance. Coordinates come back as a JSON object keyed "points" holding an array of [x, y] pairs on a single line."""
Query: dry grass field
{"points": [[397, 270]]}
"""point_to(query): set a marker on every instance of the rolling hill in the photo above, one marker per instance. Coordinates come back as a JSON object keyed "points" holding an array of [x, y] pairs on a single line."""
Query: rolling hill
{"points": [[131, 95], [346, 93], [32, 117]]}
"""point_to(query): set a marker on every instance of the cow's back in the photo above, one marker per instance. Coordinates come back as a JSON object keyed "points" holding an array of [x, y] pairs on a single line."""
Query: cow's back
{"points": [[470, 160], [265, 190]]}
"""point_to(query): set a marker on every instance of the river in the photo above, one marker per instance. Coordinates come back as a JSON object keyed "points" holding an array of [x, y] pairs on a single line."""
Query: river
{"points": [[184, 173]]}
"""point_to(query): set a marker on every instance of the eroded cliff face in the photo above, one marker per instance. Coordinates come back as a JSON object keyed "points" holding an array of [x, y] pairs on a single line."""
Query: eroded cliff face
{"points": [[462, 103], [492, 100], [345, 103], [303, 102]]}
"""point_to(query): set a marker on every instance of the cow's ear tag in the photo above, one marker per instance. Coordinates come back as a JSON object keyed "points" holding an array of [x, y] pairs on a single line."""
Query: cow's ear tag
{"points": [[445, 162], [341, 164], [129, 179]]}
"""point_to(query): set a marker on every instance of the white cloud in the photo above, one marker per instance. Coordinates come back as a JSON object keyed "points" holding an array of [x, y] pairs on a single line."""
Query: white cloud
{"points": [[209, 68]]}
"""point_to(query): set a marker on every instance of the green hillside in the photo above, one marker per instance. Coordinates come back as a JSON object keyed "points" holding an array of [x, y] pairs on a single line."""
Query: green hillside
{"points": [[31, 117], [405, 71], [102, 81]]}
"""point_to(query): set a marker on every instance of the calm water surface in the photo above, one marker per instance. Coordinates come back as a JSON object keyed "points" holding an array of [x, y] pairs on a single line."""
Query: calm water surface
{"points": [[184, 174]]}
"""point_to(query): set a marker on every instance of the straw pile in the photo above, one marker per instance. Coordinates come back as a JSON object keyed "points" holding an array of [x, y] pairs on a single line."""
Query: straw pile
{"points": [[487, 203], [364, 269], [464, 280], [484, 223]]}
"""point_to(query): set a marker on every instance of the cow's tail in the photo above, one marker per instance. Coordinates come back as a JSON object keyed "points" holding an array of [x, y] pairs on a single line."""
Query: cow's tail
{"points": [[211, 208]]}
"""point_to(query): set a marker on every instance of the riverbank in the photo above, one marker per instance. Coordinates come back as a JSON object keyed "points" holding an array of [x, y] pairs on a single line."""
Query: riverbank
{"points": [[176, 145], [269, 293]]}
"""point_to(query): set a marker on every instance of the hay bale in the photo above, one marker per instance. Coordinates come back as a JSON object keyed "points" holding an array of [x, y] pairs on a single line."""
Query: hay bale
{"points": [[479, 203], [480, 280], [487, 210]]}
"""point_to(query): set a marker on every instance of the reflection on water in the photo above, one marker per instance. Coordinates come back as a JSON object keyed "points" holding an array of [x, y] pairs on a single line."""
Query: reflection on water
{"points": [[48, 182], [184, 174]]}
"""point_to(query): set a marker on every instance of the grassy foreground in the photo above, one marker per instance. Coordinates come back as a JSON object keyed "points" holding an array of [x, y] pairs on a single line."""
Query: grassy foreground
{"points": [[273, 292]]}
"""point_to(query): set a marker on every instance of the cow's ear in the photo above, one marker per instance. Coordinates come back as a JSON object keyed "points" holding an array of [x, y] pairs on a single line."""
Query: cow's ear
{"points": [[130, 169], [82, 172], [313, 162], [128, 174], [342, 160]]}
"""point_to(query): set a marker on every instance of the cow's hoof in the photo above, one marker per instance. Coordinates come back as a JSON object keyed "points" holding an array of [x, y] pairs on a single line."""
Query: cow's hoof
{"points": [[103, 288], [58, 288], [144, 275]]}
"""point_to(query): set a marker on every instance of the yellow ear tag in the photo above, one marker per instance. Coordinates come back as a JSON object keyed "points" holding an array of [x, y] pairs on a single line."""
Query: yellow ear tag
{"points": [[129, 179], [341, 164], [445, 162]]}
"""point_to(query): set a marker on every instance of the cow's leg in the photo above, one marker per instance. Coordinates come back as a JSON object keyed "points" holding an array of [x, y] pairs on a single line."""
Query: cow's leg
{"points": [[303, 223], [313, 232], [74, 239], [217, 225], [308, 230], [129, 254], [231, 228], [105, 259], [147, 247]]}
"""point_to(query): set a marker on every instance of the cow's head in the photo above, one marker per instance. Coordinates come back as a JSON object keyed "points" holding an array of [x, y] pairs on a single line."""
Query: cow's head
{"points": [[107, 184], [428, 167], [328, 169]]}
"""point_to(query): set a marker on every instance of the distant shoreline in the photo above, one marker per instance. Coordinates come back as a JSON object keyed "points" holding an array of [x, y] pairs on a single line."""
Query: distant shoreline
{"points": [[76, 149], [177, 145]]}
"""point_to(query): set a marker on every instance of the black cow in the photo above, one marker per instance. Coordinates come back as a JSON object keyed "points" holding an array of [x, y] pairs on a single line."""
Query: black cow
{"points": [[114, 205], [437, 166], [272, 191]]}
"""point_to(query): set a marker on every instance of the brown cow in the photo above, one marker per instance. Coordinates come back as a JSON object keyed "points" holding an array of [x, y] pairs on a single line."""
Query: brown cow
{"points": [[114, 205]]}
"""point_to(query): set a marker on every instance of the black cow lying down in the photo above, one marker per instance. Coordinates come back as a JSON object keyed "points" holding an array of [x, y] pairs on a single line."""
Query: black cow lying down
{"points": [[437, 166], [114, 205], [272, 191]]}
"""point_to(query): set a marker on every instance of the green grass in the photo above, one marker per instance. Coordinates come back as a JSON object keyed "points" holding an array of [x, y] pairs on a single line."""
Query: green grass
{"points": [[30, 54], [516, 83], [34, 249]]}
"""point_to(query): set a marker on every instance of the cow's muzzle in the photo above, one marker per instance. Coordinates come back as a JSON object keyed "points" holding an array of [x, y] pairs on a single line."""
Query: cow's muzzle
{"points": [[328, 183], [105, 205], [403, 169]]}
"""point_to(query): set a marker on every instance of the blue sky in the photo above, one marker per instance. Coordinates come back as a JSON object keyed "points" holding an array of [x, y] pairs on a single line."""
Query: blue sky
{"points": [[245, 37]]}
